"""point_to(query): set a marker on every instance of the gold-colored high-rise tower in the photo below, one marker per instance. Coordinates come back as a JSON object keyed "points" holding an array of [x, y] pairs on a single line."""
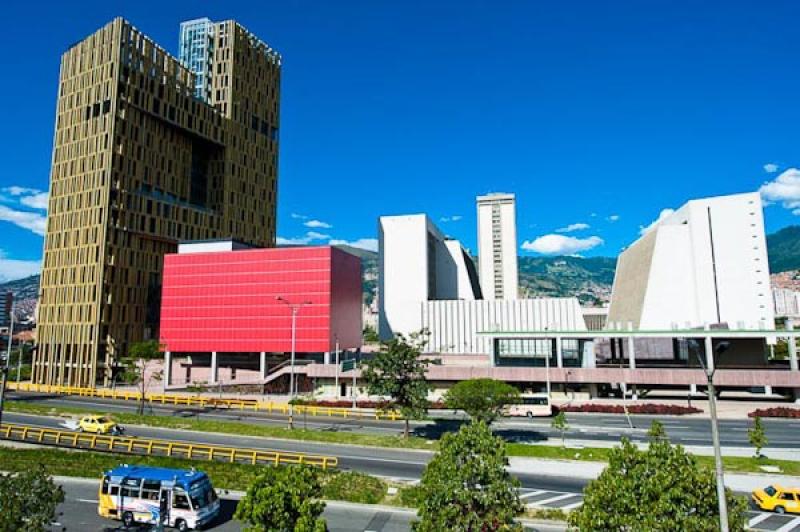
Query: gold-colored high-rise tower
{"points": [[149, 150]]}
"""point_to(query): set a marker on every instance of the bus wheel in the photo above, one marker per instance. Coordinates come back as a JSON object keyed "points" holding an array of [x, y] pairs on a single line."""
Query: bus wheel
{"points": [[181, 525], [530, 415], [127, 519]]}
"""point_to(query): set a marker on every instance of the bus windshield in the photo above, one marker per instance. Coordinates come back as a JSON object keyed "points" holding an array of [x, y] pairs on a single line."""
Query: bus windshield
{"points": [[201, 494]]}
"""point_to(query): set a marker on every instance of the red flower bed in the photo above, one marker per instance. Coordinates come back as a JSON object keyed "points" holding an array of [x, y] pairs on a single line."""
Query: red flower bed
{"points": [[647, 408], [778, 411], [359, 404]]}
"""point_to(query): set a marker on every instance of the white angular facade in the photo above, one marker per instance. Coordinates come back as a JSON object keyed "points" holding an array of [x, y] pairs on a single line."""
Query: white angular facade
{"points": [[497, 246], [418, 263], [704, 264]]}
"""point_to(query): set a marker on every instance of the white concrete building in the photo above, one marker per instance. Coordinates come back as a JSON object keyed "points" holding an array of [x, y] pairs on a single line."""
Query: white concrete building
{"points": [[497, 246], [418, 263], [704, 264]]}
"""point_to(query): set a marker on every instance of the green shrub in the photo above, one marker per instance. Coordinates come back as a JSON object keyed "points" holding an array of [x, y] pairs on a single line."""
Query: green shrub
{"points": [[354, 487], [411, 496]]}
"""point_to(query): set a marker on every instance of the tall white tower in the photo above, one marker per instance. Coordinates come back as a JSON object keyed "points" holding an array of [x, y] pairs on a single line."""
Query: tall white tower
{"points": [[497, 246]]}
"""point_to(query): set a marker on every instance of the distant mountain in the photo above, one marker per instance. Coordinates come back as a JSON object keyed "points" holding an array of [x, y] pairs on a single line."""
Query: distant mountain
{"points": [[784, 249], [588, 279]]}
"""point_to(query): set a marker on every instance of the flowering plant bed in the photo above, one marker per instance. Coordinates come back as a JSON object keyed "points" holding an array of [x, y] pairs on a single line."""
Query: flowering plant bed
{"points": [[647, 408], [344, 403], [777, 411]]}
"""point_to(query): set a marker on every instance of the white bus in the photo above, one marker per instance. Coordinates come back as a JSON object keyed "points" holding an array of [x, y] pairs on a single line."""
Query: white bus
{"points": [[180, 498], [530, 405]]}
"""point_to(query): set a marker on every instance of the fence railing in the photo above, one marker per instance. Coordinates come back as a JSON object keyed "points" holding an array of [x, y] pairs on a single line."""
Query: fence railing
{"points": [[151, 447], [204, 401]]}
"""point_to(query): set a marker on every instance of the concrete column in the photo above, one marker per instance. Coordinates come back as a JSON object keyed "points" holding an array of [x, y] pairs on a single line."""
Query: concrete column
{"points": [[262, 365], [709, 353], [559, 355], [593, 391], [692, 389], [767, 390], [590, 355], [792, 347], [214, 378], [167, 368], [631, 348], [326, 357]]}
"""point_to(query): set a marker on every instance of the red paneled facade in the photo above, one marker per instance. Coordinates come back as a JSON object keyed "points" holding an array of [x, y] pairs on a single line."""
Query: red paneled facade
{"points": [[226, 301]]}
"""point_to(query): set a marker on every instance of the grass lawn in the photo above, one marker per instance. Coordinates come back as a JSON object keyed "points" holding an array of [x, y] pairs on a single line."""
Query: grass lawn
{"points": [[593, 454]]}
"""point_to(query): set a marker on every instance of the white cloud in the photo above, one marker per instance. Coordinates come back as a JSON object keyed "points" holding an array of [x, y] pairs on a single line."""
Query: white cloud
{"points": [[20, 191], [11, 269], [317, 224], [370, 244], [663, 214], [784, 189], [613, 218], [33, 221], [770, 168], [299, 216], [572, 227], [300, 241], [453, 218], [553, 244], [36, 201], [313, 235]]}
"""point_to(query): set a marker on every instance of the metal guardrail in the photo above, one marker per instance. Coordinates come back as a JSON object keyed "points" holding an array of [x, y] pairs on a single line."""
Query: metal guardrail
{"points": [[201, 401], [150, 447]]}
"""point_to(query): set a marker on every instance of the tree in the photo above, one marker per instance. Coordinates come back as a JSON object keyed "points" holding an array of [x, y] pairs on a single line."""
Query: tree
{"points": [[661, 489], [561, 424], [136, 362], [467, 487], [28, 500], [283, 499], [370, 335], [482, 399], [398, 371], [757, 436]]}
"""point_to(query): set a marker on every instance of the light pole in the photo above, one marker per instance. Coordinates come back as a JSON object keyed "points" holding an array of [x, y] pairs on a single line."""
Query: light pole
{"points": [[712, 406], [294, 307], [336, 385]]}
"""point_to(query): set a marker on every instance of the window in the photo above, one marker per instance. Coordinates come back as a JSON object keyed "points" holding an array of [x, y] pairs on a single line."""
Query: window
{"points": [[114, 490], [787, 497], [180, 501], [150, 490]]}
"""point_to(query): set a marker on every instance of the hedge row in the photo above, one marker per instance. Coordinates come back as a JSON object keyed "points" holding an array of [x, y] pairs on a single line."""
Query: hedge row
{"points": [[647, 408], [778, 411]]}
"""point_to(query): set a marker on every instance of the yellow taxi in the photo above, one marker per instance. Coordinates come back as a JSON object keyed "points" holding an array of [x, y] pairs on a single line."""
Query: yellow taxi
{"points": [[96, 424], [778, 499]]}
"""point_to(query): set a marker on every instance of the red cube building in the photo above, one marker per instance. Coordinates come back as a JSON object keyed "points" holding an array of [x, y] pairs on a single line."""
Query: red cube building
{"points": [[239, 300]]}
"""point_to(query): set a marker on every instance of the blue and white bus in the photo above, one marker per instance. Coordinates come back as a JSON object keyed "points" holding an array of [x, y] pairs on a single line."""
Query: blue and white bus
{"points": [[181, 498]]}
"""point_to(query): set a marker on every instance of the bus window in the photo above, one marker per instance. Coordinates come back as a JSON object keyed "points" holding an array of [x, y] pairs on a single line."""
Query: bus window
{"points": [[180, 501], [104, 488], [114, 490], [150, 489], [130, 487]]}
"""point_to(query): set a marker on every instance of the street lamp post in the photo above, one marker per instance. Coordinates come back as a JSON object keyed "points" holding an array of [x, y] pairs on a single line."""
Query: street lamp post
{"points": [[712, 406], [294, 307]]}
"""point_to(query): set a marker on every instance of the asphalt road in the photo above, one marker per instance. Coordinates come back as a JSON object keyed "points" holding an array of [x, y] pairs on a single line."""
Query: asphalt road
{"points": [[79, 513], [782, 433]]}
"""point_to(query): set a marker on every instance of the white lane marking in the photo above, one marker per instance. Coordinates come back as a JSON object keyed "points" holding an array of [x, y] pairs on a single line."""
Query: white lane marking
{"points": [[757, 519], [790, 525], [531, 494], [91, 501], [554, 499], [571, 506]]}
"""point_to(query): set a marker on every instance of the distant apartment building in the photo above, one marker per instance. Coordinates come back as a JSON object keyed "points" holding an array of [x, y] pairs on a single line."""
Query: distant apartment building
{"points": [[705, 264], [787, 302], [149, 150], [497, 246], [6, 302], [418, 263]]}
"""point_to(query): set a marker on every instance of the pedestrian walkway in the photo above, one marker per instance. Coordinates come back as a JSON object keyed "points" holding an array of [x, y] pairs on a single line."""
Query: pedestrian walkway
{"points": [[552, 500], [773, 522]]}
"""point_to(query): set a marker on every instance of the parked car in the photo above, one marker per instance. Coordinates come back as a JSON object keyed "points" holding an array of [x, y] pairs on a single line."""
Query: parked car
{"points": [[778, 499]]}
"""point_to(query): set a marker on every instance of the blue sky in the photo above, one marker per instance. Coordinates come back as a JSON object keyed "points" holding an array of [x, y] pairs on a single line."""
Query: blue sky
{"points": [[593, 113]]}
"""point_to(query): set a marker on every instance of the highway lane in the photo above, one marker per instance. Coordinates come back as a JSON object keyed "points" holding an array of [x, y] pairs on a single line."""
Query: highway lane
{"points": [[391, 463], [583, 427]]}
